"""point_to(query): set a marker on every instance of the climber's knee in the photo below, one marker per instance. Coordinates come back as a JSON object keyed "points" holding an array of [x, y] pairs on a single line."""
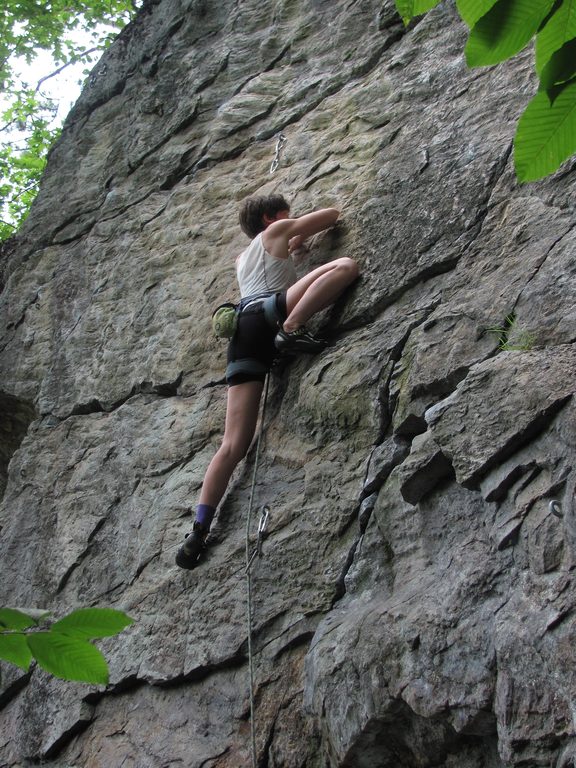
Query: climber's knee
{"points": [[233, 451], [349, 269]]}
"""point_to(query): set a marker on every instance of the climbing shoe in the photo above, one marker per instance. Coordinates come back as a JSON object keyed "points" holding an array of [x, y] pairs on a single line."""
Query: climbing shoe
{"points": [[190, 553], [298, 341]]}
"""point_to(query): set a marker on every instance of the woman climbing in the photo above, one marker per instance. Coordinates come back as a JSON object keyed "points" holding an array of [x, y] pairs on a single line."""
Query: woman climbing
{"points": [[274, 308]]}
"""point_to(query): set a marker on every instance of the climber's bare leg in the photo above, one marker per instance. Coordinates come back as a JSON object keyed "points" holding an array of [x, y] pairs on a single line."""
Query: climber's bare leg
{"points": [[241, 417], [317, 290]]}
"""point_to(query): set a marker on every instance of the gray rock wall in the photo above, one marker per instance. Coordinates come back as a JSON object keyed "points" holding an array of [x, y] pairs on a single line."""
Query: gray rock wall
{"points": [[414, 603]]}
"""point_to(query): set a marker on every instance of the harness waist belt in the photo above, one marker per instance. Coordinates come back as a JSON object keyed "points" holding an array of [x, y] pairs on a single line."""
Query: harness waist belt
{"points": [[252, 307], [267, 304], [253, 303]]}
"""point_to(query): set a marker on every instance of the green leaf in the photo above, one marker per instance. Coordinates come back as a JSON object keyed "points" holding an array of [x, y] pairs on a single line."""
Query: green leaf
{"points": [[472, 11], [558, 30], [546, 133], [505, 30], [68, 657], [93, 622], [11, 618], [560, 68], [410, 8], [14, 648]]}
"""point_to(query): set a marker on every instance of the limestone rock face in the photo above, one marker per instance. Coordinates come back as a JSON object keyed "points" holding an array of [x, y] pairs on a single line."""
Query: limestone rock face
{"points": [[414, 602]]}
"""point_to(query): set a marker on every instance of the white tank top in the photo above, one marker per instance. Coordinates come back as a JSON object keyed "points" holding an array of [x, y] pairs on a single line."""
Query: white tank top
{"points": [[259, 272]]}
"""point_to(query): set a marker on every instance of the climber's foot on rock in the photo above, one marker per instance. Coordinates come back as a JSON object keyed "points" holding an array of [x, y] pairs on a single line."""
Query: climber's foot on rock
{"points": [[298, 341], [191, 552]]}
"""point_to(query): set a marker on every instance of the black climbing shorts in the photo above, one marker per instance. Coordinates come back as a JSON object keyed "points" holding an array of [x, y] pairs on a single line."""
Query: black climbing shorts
{"points": [[251, 351]]}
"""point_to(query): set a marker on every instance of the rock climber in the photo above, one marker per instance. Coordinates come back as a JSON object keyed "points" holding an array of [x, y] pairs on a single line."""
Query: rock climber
{"points": [[274, 308]]}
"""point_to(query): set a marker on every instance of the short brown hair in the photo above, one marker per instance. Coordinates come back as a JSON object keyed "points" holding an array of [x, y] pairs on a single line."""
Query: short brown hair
{"points": [[253, 210]]}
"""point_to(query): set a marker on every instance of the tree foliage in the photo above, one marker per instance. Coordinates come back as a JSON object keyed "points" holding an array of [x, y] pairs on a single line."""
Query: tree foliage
{"points": [[64, 649], [546, 132], [27, 127]]}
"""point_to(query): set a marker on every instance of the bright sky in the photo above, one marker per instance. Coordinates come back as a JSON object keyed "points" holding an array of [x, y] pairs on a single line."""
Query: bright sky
{"points": [[64, 88]]}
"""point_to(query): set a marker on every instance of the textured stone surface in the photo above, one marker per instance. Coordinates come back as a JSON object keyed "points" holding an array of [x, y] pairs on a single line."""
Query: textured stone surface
{"points": [[414, 603]]}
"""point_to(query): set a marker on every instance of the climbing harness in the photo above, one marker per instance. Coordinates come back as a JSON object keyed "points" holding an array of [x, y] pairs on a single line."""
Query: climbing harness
{"points": [[279, 147], [225, 316], [264, 303], [250, 557]]}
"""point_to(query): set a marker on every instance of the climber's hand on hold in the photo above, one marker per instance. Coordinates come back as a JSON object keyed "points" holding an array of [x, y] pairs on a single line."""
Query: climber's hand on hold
{"points": [[295, 243], [297, 248]]}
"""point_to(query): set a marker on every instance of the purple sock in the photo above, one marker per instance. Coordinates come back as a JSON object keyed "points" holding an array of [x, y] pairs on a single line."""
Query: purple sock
{"points": [[204, 514]]}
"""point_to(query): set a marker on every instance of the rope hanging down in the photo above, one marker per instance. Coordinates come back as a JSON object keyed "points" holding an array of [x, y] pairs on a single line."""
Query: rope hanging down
{"points": [[249, 561], [250, 557]]}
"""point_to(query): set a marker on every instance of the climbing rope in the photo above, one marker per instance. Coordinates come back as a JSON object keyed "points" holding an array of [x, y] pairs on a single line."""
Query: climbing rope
{"points": [[279, 147], [250, 556]]}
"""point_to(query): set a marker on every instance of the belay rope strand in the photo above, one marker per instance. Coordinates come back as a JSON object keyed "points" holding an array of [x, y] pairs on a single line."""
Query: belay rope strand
{"points": [[281, 140], [249, 561]]}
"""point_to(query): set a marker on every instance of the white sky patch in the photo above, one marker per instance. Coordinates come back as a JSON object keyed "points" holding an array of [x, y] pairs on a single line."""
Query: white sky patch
{"points": [[57, 87], [63, 88]]}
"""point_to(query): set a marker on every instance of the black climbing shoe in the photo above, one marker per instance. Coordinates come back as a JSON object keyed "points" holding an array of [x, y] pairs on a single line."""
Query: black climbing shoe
{"points": [[190, 553], [300, 340]]}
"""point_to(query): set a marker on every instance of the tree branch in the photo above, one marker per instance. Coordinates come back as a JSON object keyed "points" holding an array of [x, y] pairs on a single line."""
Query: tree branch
{"points": [[64, 66]]}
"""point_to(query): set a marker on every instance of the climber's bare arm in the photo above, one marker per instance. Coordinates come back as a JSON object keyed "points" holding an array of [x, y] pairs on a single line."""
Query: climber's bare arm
{"points": [[287, 234]]}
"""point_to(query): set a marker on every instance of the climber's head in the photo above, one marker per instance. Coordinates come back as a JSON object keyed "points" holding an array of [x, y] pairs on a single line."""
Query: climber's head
{"points": [[256, 213]]}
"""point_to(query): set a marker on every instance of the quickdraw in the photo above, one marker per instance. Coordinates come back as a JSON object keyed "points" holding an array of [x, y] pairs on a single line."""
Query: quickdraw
{"points": [[281, 140], [262, 523], [555, 508]]}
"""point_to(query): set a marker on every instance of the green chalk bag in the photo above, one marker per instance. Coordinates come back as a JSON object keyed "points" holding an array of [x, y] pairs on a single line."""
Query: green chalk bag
{"points": [[225, 320]]}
